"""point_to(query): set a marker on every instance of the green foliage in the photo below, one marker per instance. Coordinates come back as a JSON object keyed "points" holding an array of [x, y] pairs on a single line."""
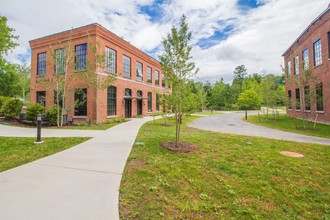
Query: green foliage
{"points": [[6, 37], [23, 83], [249, 100], [52, 115], [33, 110], [8, 79], [177, 67], [3, 99], [12, 108]]}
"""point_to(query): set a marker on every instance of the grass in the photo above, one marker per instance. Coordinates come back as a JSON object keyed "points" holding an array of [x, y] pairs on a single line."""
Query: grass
{"points": [[230, 177], [16, 151], [286, 123]]}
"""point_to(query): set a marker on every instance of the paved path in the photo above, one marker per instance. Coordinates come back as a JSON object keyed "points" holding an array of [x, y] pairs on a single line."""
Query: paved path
{"points": [[12, 131], [232, 123], [79, 183]]}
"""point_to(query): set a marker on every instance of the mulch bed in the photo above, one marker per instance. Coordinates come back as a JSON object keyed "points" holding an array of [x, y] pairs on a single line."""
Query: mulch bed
{"points": [[184, 147]]}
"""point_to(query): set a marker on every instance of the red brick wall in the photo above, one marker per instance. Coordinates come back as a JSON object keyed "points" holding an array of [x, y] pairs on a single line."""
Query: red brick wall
{"points": [[105, 38], [318, 30]]}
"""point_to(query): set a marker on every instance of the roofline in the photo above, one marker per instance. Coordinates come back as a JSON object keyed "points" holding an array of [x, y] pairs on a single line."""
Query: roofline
{"points": [[95, 24], [306, 30]]}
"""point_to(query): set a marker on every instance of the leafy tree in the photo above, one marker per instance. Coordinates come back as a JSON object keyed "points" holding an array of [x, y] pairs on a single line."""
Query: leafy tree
{"points": [[177, 67], [239, 76], [12, 107], [8, 79], [23, 73], [7, 37], [249, 100]]}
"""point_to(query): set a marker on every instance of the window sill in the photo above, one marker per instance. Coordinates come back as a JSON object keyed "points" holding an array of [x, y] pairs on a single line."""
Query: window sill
{"points": [[320, 112], [297, 110], [42, 75], [318, 65], [308, 111], [79, 116], [112, 116], [289, 109]]}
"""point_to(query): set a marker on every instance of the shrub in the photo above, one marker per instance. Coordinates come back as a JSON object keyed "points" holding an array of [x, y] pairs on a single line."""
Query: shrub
{"points": [[12, 108], [52, 115], [3, 99], [32, 111], [114, 120]]}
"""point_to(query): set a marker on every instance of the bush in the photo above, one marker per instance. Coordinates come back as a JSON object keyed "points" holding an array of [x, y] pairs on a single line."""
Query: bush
{"points": [[32, 111], [12, 107], [115, 120], [3, 99], [52, 115]]}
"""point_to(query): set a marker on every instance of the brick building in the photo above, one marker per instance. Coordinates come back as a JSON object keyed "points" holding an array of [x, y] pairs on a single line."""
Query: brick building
{"points": [[310, 52], [134, 92]]}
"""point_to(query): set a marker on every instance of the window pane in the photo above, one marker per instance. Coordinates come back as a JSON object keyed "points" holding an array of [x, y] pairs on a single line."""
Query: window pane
{"points": [[149, 75], [80, 102], [59, 61], [289, 99], [81, 57], [319, 97], [126, 66], [41, 66], [149, 102], [289, 68], [41, 98], [297, 99], [110, 60], [157, 102], [317, 53], [163, 80], [307, 98], [305, 59], [139, 71], [112, 100], [296, 65], [156, 77]]}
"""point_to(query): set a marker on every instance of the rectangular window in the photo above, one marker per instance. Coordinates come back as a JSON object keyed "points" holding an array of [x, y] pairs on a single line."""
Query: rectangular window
{"points": [[59, 61], [149, 102], [157, 102], [319, 97], [317, 53], [289, 99], [156, 77], [296, 65], [126, 66], [329, 45], [307, 98], [81, 57], [288, 66], [139, 71], [149, 75], [60, 99], [305, 59], [163, 79], [41, 98], [80, 102], [110, 60], [112, 94], [298, 99], [41, 66]]}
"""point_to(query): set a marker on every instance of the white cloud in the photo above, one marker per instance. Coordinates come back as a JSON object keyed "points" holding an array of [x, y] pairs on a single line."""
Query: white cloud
{"points": [[258, 39]]}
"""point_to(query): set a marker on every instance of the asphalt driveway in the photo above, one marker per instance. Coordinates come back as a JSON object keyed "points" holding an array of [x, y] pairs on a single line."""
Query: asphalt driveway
{"points": [[232, 123]]}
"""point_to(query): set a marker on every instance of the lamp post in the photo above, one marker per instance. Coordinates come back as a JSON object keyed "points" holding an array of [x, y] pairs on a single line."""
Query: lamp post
{"points": [[39, 120]]}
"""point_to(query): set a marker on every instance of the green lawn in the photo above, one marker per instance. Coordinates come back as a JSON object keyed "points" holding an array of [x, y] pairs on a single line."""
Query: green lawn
{"points": [[15, 151], [230, 177], [286, 123]]}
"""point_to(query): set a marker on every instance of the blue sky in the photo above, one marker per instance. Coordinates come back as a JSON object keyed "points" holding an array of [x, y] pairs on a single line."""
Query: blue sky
{"points": [[226, 33]]}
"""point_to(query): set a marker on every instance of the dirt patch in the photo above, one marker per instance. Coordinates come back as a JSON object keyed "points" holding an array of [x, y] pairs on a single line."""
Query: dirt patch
{"points": [[291, 154], [134, 164], [184, 147]]}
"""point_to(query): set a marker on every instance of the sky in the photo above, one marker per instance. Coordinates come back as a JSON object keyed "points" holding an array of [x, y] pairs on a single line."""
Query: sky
{"points": [[225, 33]]}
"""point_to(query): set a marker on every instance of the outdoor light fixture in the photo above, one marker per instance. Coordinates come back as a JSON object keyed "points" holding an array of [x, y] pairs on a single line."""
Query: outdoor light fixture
{"points": [[39, 120]]}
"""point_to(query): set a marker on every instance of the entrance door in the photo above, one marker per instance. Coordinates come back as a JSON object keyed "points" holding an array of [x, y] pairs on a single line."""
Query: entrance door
{"points": [[139, 106], [128, 108]]}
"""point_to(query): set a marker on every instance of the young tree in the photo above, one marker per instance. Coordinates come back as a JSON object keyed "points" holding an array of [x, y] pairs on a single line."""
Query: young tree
{"points": [[249, 100], [23, 72], [177, 67]]}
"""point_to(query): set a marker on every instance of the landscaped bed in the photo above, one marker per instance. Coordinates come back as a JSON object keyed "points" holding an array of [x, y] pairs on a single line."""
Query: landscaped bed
{"points": [[228, 177], [15, 151], [290, 124]]}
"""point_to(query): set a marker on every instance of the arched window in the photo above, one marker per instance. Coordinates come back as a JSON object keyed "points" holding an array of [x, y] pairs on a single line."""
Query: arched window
{"points": [[112, 100], [149, 102]]}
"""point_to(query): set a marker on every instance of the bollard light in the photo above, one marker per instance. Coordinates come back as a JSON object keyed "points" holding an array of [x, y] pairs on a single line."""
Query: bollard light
{"points": [[39, 120]]}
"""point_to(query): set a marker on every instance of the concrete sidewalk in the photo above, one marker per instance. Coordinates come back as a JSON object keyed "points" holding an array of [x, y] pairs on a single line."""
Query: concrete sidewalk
{"points": [[79, 183], [12, 131], [232, 123]]}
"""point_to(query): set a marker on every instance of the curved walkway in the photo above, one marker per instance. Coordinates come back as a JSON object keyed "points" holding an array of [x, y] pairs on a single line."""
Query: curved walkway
{"points": [[79, 183], [232, 123]]}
